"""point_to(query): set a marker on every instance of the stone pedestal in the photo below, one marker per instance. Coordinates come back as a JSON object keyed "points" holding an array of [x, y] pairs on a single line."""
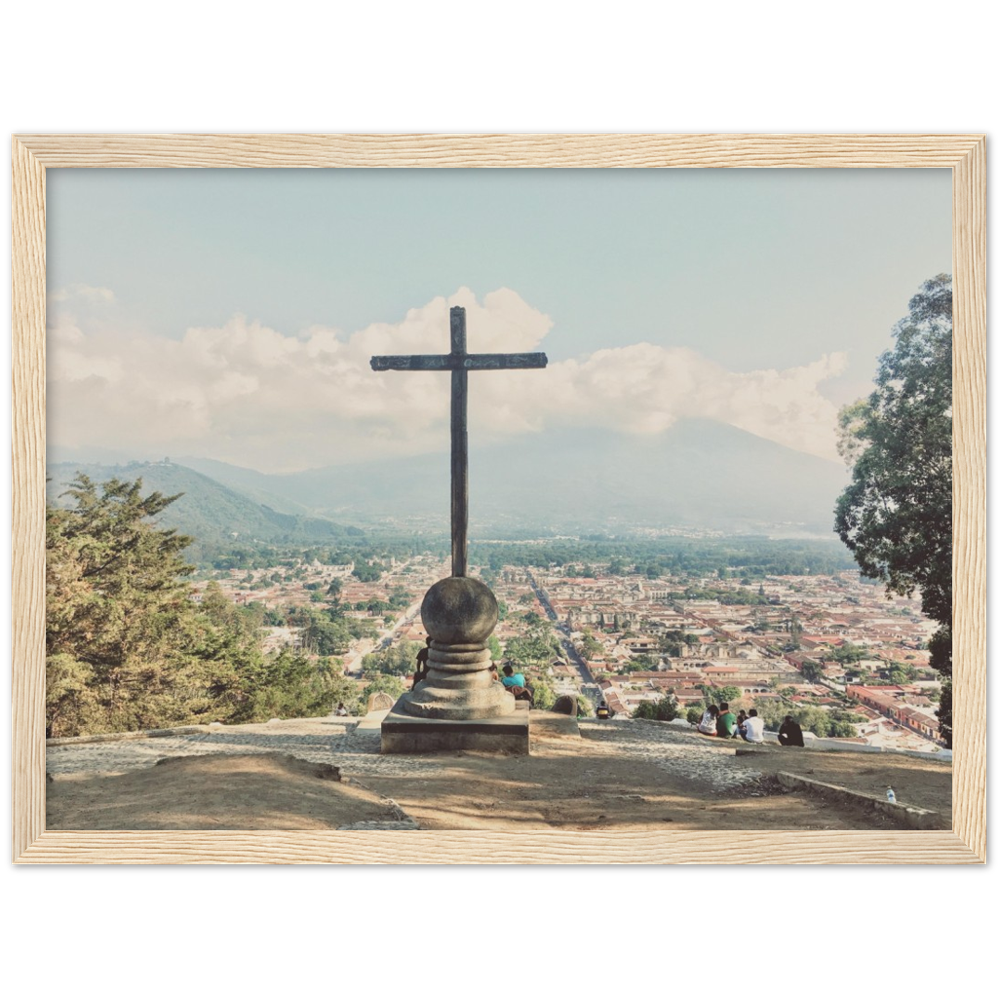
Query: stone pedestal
{"points": [[402, 733], [458, 706]]}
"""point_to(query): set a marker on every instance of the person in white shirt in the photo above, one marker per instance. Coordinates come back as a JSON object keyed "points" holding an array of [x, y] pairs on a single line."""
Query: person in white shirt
{"points": [[707, 724], [753, 728]]}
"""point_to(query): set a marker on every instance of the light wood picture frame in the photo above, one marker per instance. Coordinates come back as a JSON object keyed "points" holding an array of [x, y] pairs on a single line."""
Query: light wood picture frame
{"points": [[964, 154]]}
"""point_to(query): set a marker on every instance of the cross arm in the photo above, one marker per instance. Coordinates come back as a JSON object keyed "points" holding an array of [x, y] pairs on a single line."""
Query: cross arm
{"points": [[456, 362]]}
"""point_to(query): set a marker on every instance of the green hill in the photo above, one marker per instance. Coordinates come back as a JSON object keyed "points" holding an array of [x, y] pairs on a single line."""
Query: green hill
{"points": [[214, 514]]}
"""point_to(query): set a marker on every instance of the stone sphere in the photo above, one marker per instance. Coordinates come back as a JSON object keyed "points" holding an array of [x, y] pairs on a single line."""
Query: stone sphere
{"points": [[459, 610]]}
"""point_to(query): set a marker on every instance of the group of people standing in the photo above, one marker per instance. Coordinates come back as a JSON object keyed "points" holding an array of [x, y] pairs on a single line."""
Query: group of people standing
{"points": [[718, 720]]}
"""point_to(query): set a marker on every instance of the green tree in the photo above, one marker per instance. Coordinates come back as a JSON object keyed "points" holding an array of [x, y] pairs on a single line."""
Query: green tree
{"points": [[127, 647], [399, 598], [716, 696], [119, 621], [641, 662], [544, 696], [381, 682], [896, 515], [214, 603], [898, 674], [589, 646], [324, 636], [336, 687], [400, 660], [818, 721], [694, 713], [288, 685], [848, 653], [811, 671], [794, 634], [367, 572], [672, 641], [361, 628], [536, 647], [664, 710]]}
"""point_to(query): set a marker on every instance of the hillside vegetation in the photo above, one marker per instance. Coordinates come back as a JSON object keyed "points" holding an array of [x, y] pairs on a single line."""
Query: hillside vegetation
{"points": [[126, 648], [213, 514]]}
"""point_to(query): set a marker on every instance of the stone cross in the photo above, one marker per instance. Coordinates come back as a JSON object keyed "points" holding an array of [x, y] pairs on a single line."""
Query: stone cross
{"points": [[459, 362]]}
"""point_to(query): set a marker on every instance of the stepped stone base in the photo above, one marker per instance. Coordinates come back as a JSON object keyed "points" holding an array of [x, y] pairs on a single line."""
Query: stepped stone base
{"points": [[403, 733]]}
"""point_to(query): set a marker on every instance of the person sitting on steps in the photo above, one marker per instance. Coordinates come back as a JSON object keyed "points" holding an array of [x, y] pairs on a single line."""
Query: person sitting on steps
{"points": [[517, 685], [421, 672], [510, 679]]}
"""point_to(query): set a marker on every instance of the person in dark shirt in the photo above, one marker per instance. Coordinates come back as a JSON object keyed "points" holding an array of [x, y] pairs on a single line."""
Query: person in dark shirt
{"points": [[421, 671], [790, 733]]}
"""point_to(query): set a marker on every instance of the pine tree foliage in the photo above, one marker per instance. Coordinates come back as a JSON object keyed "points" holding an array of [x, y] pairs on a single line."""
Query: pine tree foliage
{"points": [[127, 648]]}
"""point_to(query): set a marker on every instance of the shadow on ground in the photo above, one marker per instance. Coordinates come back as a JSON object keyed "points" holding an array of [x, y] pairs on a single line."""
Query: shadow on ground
{"points": [[262, 791], [625, 776]]}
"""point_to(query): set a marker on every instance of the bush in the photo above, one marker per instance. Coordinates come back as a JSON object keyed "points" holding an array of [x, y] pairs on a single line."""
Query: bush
{"points": [[664, 710], [544, 697]]}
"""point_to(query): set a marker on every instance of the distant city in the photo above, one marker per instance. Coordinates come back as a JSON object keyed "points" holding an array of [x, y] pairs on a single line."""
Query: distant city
{"points": [[832, 650]]}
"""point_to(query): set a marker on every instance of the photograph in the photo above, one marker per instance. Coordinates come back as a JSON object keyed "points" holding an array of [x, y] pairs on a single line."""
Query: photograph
{"points": [[586, 501]]}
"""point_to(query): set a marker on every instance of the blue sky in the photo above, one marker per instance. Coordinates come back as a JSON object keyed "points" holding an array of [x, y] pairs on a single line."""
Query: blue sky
{"points": [[724, 272]]}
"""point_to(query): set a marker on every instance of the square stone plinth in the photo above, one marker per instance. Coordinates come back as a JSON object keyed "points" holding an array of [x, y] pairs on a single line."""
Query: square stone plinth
{"points": [[410, 734]]}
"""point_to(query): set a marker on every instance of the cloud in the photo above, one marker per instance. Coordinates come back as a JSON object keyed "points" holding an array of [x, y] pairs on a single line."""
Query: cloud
{"points": [[249, 394], [646, 388], [82, 293]]}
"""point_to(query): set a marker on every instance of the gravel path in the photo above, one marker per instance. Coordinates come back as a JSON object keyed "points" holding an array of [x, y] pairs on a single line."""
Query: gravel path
{"points": [[322, 741], [686, 755], [356, 751]]}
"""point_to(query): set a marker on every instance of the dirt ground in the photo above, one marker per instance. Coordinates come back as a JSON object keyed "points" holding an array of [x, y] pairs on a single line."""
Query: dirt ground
{"points": [[252, 792], [915, 781], [566, 783]]}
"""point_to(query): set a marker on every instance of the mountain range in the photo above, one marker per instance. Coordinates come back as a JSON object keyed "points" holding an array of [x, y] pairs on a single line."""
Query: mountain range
{"points": [[207, 509], [698, 476]]}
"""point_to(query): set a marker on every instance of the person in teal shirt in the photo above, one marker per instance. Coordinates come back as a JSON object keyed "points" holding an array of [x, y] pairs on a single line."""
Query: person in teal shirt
{"points": [[510, 679], [725, 724]]}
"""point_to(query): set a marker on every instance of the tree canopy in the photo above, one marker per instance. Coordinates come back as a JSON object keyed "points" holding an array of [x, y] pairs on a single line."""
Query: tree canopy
{"points": [[126, 646], [116, 607], [663, 710], [896, 514], [537, 646], [399, 660]]}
